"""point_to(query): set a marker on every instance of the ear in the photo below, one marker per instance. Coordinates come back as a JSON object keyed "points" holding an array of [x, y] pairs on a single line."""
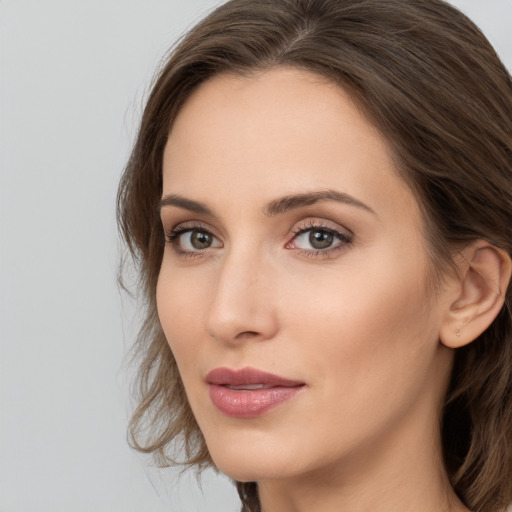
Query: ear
{"points": [[478, 293]]}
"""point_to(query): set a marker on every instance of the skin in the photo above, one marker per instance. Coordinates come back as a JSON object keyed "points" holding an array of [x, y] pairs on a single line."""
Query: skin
{"points": [[355, 322]]}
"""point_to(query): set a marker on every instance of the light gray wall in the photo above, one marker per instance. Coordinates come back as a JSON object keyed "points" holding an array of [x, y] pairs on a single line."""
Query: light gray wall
{"points": [[72, 77]]}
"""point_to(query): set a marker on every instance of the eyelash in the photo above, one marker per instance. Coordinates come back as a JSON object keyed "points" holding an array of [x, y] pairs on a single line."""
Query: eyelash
{"points": [[345, 239]]}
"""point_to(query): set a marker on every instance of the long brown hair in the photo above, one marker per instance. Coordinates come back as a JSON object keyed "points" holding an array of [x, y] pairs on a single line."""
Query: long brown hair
{"points": [[429, 80]]}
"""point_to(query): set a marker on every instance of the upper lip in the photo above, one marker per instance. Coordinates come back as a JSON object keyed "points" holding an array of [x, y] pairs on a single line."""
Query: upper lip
{"points": [[247, 376]]}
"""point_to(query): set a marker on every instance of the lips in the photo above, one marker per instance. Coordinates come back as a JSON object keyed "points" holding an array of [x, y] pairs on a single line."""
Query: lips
{"points": [[248, 393]]}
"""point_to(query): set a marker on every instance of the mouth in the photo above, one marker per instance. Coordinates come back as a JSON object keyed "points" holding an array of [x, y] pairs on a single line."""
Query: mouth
{"points": [[248, 387], [248, 393]]}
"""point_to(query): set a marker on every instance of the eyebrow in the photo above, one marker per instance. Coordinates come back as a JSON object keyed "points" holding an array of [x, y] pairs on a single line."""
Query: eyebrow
{"points": [[291, 202], [186, 204], [275, 207]]}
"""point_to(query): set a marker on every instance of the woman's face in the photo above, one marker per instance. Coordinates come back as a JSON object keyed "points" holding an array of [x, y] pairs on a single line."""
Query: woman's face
{"points": [[293, 290]]}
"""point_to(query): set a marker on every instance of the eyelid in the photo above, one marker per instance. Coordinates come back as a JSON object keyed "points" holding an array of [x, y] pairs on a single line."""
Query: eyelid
{"points": [[190, 225]]}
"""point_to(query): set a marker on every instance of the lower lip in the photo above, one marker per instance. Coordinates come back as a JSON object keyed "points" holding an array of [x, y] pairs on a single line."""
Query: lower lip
{"points": [[250, 403]]}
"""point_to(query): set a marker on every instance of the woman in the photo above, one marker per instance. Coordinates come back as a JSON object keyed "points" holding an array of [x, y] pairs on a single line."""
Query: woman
{"points": [[319, 202]]}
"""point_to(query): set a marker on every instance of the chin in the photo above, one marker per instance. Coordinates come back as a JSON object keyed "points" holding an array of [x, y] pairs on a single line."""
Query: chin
{"points": [[239, 465], [250, 471], [253, 461]]}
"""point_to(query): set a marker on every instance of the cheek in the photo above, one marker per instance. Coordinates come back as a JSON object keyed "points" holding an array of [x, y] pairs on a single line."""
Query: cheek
{"points": [[362, 299], [366, 328], [179, 306]]}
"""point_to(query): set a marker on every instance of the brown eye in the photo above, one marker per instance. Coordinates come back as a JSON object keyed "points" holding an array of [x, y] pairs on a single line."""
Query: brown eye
{"points": [[200, 239]]}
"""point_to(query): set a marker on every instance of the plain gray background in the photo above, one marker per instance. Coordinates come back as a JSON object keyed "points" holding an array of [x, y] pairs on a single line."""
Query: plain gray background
{"points": [[73, 75]]}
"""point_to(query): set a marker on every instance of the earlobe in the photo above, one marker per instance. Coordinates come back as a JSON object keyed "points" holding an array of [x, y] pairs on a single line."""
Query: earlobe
{"points": [[484, 276]]}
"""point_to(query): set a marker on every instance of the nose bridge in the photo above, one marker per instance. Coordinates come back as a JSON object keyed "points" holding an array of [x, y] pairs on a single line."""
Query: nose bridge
{"points": [[242, 300]]}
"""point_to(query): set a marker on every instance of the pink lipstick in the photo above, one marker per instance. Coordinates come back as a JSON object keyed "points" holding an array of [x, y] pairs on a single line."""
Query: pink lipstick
{"points": [[247, 393]]}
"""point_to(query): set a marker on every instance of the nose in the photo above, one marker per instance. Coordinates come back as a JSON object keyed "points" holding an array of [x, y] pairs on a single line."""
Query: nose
{"points": [[243, 305]]}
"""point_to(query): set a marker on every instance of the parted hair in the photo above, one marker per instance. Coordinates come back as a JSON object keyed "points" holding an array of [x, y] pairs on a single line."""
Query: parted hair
{"points": [[432, 84]]}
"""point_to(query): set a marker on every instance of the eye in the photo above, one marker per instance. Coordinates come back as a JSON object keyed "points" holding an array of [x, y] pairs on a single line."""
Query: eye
{"points": [[192, 240], [316, 238], [319, 239]]}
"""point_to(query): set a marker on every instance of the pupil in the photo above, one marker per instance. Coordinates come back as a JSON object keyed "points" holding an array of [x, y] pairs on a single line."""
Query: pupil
{"points": [[320, 239], [200, 240]]}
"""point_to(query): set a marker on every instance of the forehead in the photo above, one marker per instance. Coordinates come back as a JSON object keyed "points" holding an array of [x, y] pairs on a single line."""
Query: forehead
{"points": [[280, 131]]}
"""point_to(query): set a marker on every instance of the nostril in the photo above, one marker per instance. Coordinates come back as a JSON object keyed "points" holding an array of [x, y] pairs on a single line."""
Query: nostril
{"points": [[247, 334]]}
